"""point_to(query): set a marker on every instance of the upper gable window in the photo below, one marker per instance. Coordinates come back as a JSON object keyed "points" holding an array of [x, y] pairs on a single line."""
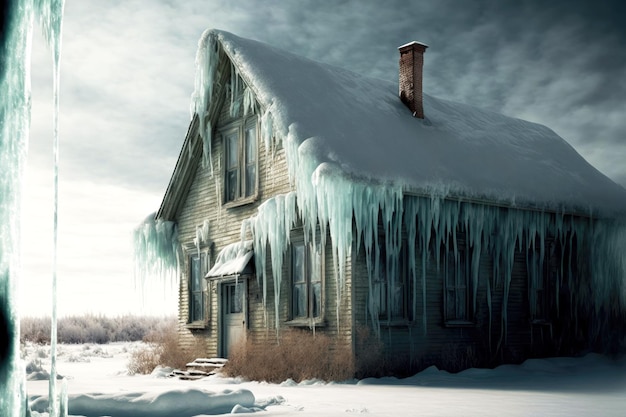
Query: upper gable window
{"points": [[240, 141]]}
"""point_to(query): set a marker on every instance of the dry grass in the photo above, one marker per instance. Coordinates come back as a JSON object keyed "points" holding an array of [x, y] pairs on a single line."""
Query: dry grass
{"points": [[299, 355], [162, 348], [370, 362]]}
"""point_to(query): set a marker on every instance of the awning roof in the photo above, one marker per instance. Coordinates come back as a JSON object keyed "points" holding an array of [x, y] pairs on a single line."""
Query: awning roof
{"points": [[234, 259]]}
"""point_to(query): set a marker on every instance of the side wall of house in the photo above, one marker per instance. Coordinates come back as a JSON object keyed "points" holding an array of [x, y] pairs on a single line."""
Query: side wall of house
{"points": [[426, 339], [204, 203]]}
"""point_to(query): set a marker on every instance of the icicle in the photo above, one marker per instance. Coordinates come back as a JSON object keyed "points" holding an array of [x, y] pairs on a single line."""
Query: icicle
{"points": [[272, 225], [156, 250], [202, 235], [51, 18], [235, 92], [207, 153], [248, 101], [267, 131], [15, 109], [207, 58]]}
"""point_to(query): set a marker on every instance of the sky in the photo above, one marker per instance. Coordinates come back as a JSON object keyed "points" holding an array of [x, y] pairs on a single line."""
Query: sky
{"points": [[127, 75]]}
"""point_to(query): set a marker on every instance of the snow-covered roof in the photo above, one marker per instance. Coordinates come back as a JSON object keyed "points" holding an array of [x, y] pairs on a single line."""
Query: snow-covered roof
{"points": [[357, 124]]}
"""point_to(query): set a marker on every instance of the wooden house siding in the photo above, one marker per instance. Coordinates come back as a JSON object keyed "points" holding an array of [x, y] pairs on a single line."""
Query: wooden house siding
{"points": [[490, 339]]}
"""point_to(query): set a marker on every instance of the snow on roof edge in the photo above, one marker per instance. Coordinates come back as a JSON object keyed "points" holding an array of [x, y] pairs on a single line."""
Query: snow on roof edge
{"points": [[585, 186]]}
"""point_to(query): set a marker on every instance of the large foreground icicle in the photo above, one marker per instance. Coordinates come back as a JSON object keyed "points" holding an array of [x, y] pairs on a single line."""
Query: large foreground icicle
{"points": [[15, 107], [14, 128], [51, 18]]}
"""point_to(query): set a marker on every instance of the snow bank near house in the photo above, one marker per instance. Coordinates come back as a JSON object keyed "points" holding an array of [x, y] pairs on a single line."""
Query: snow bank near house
{"points": [[593, 385], [180, 403], [590, 373]]}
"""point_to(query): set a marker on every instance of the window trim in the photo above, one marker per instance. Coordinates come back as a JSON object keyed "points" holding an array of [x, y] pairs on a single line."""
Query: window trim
{"points": [[240, 126], [191, 253], [309, 320]]}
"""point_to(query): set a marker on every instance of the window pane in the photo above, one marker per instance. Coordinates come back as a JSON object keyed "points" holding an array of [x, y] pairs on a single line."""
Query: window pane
{"points": [[461, 295], [231, 185], [397, 310], [196, 272], [299, 297], [235, 294], [250, 179], [451, 304], [232, 151], [196, 306], [299, 281], [317, 299], [250, 145], [298, 264]]}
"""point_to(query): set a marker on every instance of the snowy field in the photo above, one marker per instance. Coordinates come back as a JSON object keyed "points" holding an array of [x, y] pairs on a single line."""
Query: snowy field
{"points": [[99, 385]]}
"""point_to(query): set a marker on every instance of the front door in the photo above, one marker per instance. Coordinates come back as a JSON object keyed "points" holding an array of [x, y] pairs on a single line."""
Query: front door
{"points": [[233, 300]]}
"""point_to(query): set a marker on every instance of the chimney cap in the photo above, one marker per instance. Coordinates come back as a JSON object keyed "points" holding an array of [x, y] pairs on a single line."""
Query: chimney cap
{"points": [[411, 44]]}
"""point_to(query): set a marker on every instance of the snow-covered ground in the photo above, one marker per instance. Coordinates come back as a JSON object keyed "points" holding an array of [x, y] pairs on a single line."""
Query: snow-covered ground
{"points": [[98, 383]]}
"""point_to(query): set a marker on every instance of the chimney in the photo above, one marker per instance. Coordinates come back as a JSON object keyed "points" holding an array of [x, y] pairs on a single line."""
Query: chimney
{"points": [[411, 67]]}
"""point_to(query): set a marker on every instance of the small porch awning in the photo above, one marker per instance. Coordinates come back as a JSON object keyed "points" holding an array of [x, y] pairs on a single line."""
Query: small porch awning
{"points": [[234, 259]]}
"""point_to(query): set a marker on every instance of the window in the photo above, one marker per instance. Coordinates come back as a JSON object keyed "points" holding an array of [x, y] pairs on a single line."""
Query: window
{"points": [[234, 298], [240, 160], [306, 280], [540, 272], [198, 269], [390, 289], [457, 278]]}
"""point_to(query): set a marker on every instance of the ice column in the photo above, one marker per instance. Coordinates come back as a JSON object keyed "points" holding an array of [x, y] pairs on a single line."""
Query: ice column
{"points": [[15, 48]]}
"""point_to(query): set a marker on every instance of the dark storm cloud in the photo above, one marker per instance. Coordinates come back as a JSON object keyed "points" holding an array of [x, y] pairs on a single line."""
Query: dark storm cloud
{"points": [[130, 69], [559, 63]]}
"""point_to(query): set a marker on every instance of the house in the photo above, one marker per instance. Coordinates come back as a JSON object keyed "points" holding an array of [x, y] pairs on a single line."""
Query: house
{"points": [[308, 196]]}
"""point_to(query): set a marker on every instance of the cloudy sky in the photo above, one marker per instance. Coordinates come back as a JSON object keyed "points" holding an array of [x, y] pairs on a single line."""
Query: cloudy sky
{"points": [[127, 75]]}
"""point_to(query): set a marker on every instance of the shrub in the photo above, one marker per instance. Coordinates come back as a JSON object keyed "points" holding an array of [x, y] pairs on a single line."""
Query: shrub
{"points": [[144, 359], [370, 359], [298, 355], [162, 348], [92, 329]]}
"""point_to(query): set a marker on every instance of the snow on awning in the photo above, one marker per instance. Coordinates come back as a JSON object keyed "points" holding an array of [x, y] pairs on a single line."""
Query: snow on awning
{"points": [[234, 259]]}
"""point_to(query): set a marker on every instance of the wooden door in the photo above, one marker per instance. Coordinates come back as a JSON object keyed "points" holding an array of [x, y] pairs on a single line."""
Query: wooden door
{"points": [[233, 315]]}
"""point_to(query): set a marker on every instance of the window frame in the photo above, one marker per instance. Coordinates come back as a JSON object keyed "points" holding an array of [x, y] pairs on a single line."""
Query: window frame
{"points": [[244, 192], [451, 292], [193, 321], [308, 319]]}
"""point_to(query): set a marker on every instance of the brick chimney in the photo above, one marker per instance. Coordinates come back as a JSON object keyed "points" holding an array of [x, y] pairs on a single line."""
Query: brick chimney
{"points": [[411, 68]]}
